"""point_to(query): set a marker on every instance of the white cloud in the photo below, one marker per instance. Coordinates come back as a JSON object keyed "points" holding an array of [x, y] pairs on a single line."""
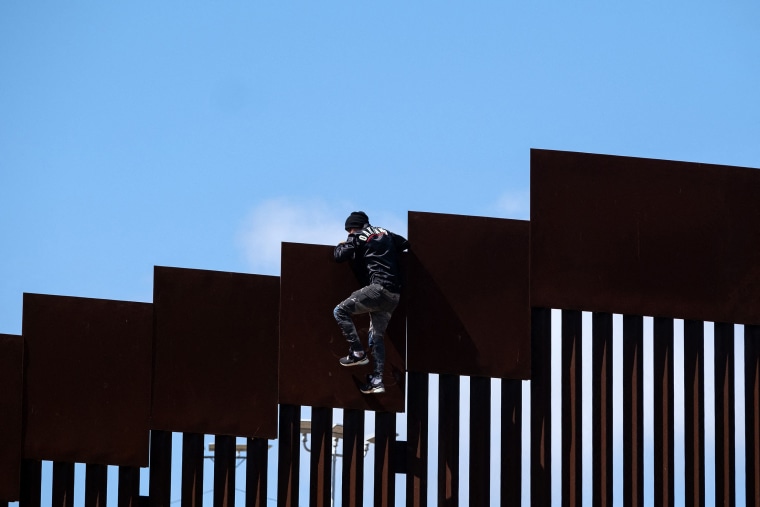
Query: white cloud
{"points": [[514, 204], [275, 221]]}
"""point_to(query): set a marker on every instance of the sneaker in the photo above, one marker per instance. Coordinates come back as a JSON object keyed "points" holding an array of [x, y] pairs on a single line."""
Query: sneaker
{"points": [[352, 360], [372, 387]]}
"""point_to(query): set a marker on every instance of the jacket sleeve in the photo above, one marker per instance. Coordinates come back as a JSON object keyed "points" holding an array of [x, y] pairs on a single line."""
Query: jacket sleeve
{"points": [[400, 242], [345, 251]]}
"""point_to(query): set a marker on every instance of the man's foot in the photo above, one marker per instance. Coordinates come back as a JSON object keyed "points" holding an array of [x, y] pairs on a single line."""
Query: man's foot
{"points": [[352, 360], [373, 386]]}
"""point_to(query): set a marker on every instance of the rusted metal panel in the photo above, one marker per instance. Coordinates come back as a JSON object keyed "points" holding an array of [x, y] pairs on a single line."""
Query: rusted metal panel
{"points": [[192, 469], [417, 420], [480, 441], [320, 457], [694, 412], [633, 410], [645, 237], [215, 344], [602, 409], [31, 483], [511, 443], [224, 471], [663, 407], [448, 440], [160, 480], [87, 388], [385, 479], [63, 484], [572, 408], [353, 458], [11, 380], [289, 456], [470, 298], [752, 413], [540, 408], [311, 342], [725, 392], [95, 486], [257, 465], [129, 487]]}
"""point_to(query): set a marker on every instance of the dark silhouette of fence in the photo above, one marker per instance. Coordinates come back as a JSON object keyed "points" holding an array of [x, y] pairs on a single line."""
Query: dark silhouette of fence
{"points": [[107, 382]]}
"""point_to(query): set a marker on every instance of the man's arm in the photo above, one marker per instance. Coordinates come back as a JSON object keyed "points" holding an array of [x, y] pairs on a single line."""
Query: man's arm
{"points": [[345, 250], [400, 242]]}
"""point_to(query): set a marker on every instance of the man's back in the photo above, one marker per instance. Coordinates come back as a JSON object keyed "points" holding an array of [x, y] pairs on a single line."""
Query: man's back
{"points": [[375, 252]]}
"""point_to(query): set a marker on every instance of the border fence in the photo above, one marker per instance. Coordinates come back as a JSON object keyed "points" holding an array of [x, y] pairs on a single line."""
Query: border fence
{"points": [[661, 258]]}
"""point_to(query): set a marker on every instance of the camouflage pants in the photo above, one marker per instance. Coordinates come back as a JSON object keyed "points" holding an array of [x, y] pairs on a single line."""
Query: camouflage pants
{"points": [[379, 303]]}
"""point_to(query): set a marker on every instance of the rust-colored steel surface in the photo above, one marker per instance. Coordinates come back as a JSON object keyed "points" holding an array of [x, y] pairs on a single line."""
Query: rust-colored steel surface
{"points": [[663, 406], [541, 408], [511, 443], [224, 471], [320, 457], [311, 342], [289, 456], [128, 494], [192, 469], [602, 409], [645, 237], [11, 380], [448, 440], [160, 480], [752, 413], [385, 478], [633, 410], [31, 483], [257, 466], [87, 379], [63, 484], [95, 486], [480, 441], [572, 408], [725, 394], [694, 412], [353, 459], [417, 419], [215, 352], [469, 298]]}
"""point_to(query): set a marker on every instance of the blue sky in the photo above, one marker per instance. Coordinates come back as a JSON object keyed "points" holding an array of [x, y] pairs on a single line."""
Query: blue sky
{"points": [[160, 133], [202, 134]]}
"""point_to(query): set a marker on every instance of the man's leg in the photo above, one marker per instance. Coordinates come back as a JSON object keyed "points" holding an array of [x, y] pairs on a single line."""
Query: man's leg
{"points": [[343, 313], [379, 321], [364, 300], [378, 324]]}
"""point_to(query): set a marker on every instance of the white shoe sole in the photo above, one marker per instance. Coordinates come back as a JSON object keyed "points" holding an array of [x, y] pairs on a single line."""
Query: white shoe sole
{"points": [[373, 390], [360, 362]]}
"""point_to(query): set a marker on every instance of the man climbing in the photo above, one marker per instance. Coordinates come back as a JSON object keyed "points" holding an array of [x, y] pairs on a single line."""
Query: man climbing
{"points": [[373, 253]]}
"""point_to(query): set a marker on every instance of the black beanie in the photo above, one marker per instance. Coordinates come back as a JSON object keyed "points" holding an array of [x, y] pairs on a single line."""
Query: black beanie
{"points": [[356, 220]]}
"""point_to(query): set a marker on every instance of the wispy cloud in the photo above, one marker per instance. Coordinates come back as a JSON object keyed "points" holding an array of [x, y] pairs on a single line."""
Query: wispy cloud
{"points": [[275, 221], [514, 204]]}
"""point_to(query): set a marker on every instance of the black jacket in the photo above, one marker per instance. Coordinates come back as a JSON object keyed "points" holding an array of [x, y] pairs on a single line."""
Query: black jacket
{"points": [[374, 253]]}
